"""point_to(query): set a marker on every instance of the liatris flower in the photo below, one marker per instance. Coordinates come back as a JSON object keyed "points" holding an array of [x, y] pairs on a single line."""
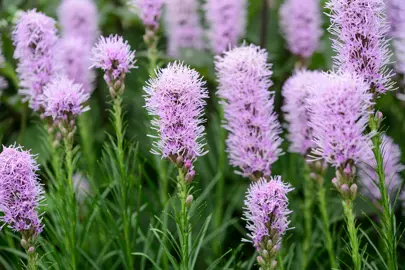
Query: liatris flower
{"points": [[79, 18], [34, 38], [63, 100], [339, 116], [302, 26], [254, 131], [392, 167], [20, 191], [360, 29], [184, 29], [296, 92], [176, 99], [149, 11], [73, 60], [396, 18], [114, 56], [227, 20], [266, 213]]}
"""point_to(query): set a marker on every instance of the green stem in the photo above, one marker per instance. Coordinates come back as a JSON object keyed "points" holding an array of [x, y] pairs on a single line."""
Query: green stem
{"points": [[123, 185], [32, 261], [387, 221], [68, 141], [153, 57], [184, 226], [325, 222], [308, 205], [348, 207]]}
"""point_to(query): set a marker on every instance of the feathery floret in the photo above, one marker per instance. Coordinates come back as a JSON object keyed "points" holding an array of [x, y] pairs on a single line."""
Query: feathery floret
{"points": [[79, 18], [254, 131], [396, 18], [392, 168], [34, 39], [20, 191], [338, 117], [73, 60], [227, 22], [63, 98], [175, 98], [360, 28], [114, 56], [296, 92], [266, 212], [184, 29], [149, 11], [302, 26]]}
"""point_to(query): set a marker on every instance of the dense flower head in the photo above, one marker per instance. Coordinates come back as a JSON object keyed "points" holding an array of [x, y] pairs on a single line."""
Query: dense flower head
{"points": [[227, 22], [176, 99], [392, 168], [114, 56], [73, 60], [302, 26], [266, 211], [254, 131], [34, 39], [360, 28], [296, 92], [396, 18], [149, 11], [20, 191], [339, 113], [79, 18], [184, 30], [63, 98]]}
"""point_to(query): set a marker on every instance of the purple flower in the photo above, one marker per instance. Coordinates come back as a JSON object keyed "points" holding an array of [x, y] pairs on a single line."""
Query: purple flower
{"points": [[175, 98], [73, 60], [360, 29], [149, 11], [339, 113], [34, 39], [296, 92], [20, 191], [302, 26], [254, 131], [227, 21], [396, 18], [114, 56], [63, 98], [392, 168], [266, 212], [184, 29], [79, 18]]}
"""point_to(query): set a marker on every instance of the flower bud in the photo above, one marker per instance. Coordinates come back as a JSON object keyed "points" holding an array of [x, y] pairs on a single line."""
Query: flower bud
{"points": [[379, 117], [353, 191], [24, 243], [335, 183], [348, 170], [31, 250], [189, 200], [189, 177], [269, 244], [179, 161], [261, 261], [265, 254]]}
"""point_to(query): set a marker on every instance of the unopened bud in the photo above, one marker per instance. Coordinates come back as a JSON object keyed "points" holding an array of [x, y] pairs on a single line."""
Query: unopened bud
{"points": [[335, 183], [339, 175], [269, 244], [42, 116], [261, 261], [273, 264], [179, 161], [344, 189], [72, 123], [348, 170], [379, 117], [24, 243], [353, 191], [265, 254], [189, 177], [312, 175], [50, 130], [31, 250], [189, 200], [187, 164], [117, 85]]}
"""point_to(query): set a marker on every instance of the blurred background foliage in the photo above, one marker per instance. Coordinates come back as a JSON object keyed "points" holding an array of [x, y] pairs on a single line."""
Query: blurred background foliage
{"points": [[224, 234]]}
